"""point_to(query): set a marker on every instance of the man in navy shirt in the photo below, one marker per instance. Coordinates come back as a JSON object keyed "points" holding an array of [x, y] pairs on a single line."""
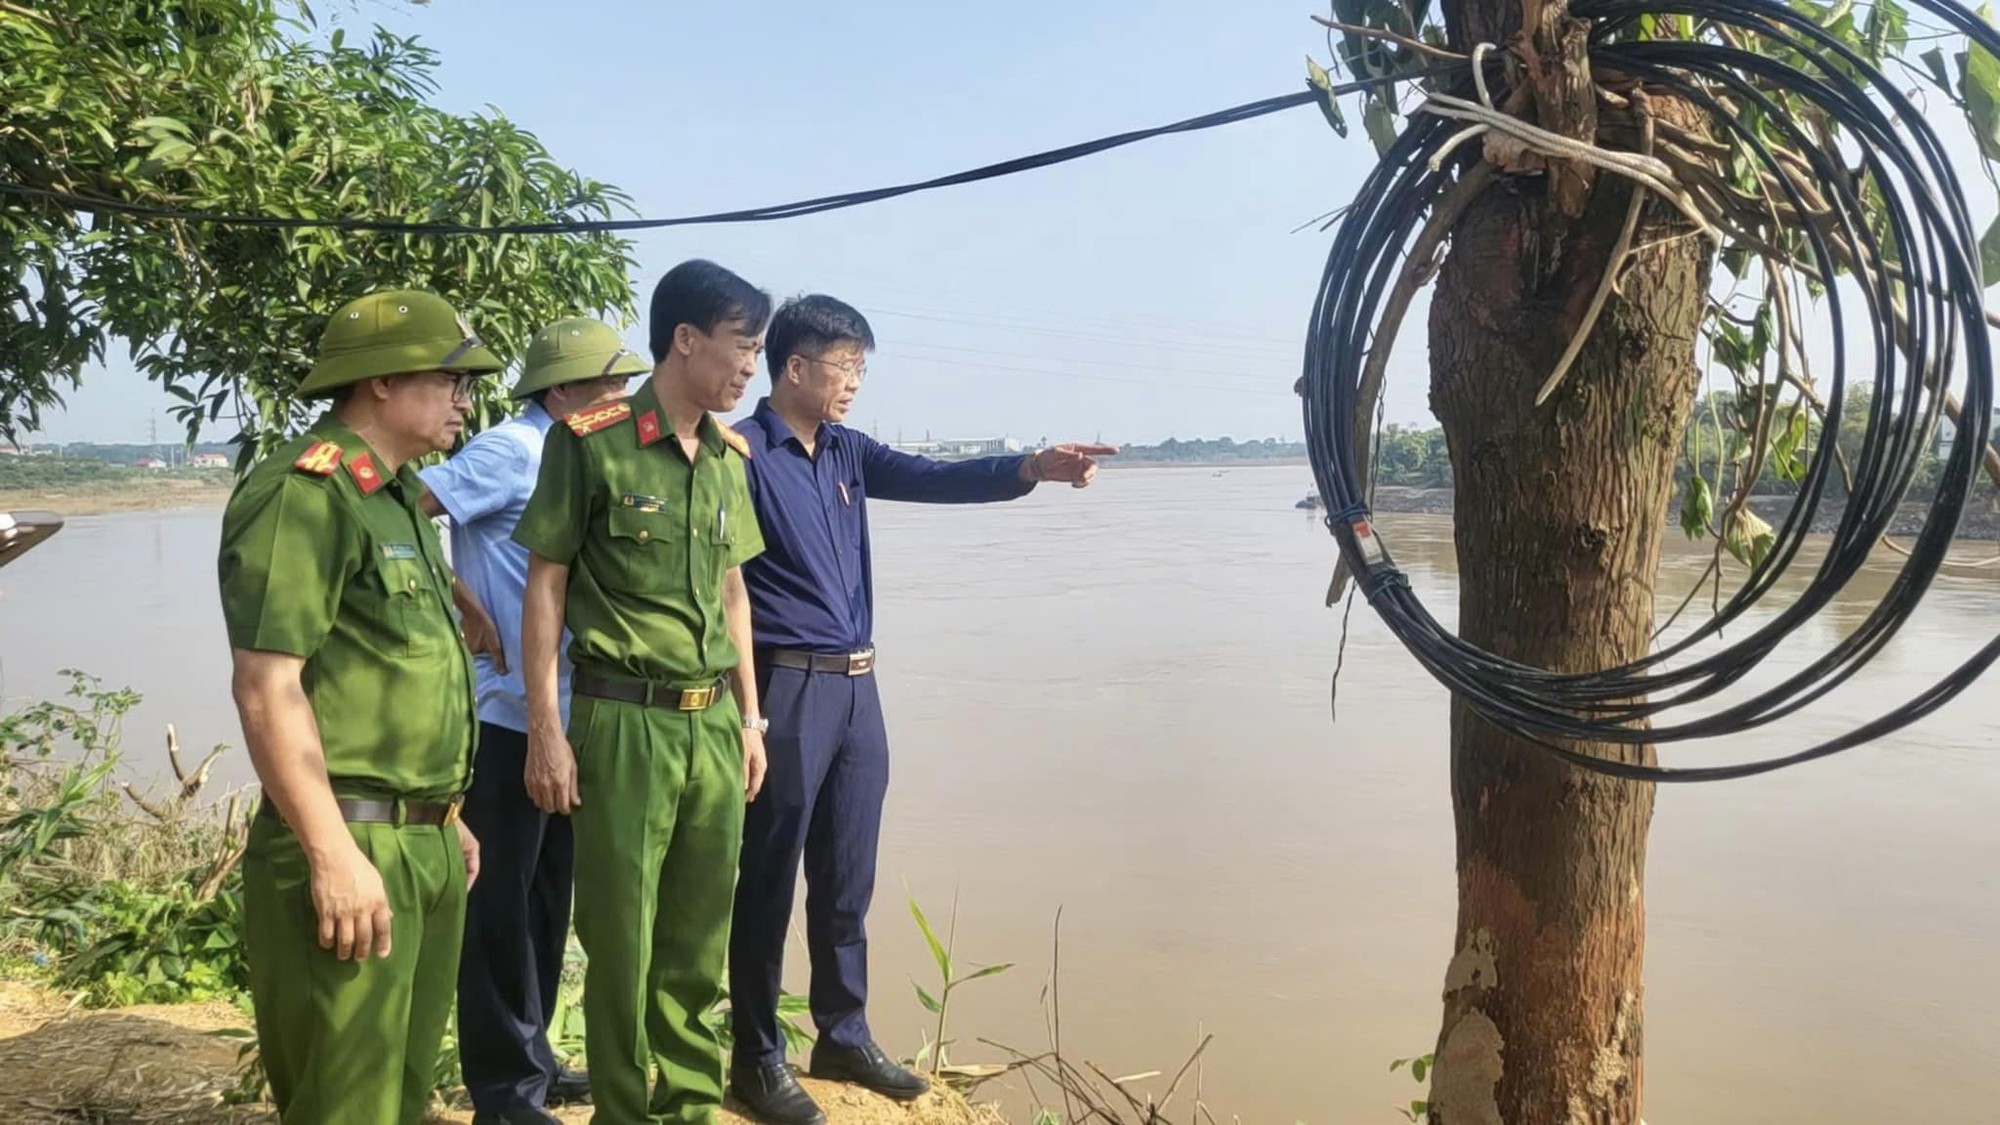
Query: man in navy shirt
{"points": [[811, 597]]}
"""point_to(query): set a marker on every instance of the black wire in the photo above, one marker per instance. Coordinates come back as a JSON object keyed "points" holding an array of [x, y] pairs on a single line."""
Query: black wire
{"points": [[1938, 293], [771, 213]]}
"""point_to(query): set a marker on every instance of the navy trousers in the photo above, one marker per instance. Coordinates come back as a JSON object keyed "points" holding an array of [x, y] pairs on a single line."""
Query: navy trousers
{"points": [[822, 799], [516, 925]]}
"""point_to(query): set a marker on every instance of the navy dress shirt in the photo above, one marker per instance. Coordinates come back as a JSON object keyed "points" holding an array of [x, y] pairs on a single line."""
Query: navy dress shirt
{"points": [[812, 588]]}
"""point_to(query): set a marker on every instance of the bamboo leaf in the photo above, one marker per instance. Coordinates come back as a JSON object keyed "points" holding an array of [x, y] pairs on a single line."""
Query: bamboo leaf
{"points": [[1329, 105], [1379, 119], [938, 953]]}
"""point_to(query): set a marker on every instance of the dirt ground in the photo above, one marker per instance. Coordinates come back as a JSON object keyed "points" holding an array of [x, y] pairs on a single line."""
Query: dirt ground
{"points": [[171, 1065]]}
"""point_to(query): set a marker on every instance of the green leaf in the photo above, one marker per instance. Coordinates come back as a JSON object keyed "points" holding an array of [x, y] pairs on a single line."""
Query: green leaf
{"points": [[988, 971], [1329, 104], [928, 1001], [1989, 255], [938, 953], [1746, 536], [1420, 1068], [1982, 95], [1788, 446], [1379, 118], [1697, 509], [162, 125]]}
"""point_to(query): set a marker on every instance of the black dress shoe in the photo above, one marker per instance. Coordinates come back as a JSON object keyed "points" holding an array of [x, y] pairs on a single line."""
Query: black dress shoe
{"points": [[517, 1115], [570, 1087], [868, 1068], [773, 1095]]}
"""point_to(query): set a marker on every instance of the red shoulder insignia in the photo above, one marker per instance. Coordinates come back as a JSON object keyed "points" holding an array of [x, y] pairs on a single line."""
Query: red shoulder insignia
{"points": [[320, 459], [362, 468], [734, 440], [649, 428], [583, 423]]}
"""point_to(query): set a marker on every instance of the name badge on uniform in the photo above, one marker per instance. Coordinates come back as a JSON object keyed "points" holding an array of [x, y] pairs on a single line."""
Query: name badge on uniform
{"points": [[639, 503], [399, 550]]}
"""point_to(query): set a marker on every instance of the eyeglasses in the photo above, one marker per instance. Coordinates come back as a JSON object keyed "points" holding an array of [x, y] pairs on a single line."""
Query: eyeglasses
{"points": [[854, 370], [461, 383]]}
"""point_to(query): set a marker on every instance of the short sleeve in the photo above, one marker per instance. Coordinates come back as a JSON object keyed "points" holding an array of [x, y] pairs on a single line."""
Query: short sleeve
{"points": [[485, 477], [559, 508], [746, 539], [285, 559]]}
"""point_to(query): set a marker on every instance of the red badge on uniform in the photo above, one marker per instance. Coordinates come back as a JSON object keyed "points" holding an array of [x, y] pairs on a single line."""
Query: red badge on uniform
{"points": [[362, 468], [649, 428], [321, 458]]}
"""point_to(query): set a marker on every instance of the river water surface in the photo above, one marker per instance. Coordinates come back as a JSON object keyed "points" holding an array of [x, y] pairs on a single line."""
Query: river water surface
{"points": [[1115, 703]]}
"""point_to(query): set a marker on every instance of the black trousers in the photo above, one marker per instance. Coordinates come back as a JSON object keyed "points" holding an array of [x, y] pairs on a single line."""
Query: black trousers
{"points": [[822, 800], [516, 925]]}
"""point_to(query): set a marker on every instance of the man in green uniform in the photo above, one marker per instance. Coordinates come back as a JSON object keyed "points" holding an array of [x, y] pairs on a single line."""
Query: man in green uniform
{"points": [[637, 530], [355, 692]]}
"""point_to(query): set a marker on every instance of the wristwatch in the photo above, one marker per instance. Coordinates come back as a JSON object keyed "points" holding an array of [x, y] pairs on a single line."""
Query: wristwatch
{"points": [[760, 724]]}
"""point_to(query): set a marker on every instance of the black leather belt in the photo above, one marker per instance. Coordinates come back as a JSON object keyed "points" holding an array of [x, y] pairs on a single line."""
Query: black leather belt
{"points": [[650, 693], [383, 810], [845, 664]]}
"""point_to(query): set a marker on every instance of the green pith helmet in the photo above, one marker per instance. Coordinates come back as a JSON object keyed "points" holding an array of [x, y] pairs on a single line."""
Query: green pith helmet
{"points": [[394, 332], [572, 350]]}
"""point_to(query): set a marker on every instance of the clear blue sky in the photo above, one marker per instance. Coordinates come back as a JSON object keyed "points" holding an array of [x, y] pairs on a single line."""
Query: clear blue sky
{"points": [[1150, 292]]}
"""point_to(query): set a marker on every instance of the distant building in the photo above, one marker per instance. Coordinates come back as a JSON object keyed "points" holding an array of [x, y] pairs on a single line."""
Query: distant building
{"points": [[208, 461], [12, 451], [150, 463], [958, 447]]}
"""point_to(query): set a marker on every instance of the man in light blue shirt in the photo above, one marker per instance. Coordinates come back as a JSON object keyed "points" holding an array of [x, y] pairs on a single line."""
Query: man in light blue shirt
{"points": [[517, 916]]}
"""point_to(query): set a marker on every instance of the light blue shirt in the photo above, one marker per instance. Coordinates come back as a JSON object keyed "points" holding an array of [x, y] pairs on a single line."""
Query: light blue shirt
{"points": [[484, 488]]}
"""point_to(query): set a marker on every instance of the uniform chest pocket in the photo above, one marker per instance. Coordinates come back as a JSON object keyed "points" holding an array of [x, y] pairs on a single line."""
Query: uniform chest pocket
{"points": [[412, 619], [646, 545]]}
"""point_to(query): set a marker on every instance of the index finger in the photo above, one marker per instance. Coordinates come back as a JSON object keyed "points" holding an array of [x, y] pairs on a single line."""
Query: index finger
{"points": [[1095, 450]]}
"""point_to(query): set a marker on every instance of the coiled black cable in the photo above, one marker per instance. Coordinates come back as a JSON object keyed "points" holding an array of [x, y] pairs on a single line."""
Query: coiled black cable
{"points": [[1925, 321]]}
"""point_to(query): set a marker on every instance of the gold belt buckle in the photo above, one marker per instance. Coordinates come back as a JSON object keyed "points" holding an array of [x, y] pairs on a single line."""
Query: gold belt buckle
{"points": [[451, 809], [860, 663], [697, 699]]}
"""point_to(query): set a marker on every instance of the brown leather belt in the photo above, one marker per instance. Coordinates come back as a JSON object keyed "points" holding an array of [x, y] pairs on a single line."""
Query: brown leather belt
{"points": [[650, 693], [847, 664], [383, 810]]}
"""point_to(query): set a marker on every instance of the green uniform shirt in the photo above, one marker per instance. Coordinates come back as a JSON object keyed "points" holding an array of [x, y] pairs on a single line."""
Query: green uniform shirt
{"points": [[325, 558], [647, 536]]}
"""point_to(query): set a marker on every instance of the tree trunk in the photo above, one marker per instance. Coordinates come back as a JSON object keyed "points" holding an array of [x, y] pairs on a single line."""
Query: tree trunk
{"points": [[1560, 512]]}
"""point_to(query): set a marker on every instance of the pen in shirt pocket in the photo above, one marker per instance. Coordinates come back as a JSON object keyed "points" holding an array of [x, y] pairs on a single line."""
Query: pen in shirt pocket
{"points": [[844, 497]]}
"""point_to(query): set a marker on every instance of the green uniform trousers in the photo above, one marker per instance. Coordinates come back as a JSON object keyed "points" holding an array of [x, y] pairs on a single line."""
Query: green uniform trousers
{"points": [[657, 838], [347, 1042]]}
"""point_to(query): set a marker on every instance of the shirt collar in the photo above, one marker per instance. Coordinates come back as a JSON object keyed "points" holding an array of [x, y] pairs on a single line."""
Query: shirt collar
{"points": [[781, 431], [537, 417]]}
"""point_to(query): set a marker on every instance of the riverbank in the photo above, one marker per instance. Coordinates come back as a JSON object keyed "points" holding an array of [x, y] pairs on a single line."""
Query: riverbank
{"points": [[140, 494], [1981, 520], [179, 1063]]}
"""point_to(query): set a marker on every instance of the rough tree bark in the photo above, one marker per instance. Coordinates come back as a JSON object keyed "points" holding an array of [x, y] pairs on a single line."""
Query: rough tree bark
{"points": [[1562, 508]]}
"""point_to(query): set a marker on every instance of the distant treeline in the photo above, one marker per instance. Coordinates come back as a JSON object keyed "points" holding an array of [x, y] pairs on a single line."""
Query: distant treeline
{"points": [[53, 474], [1206, 450], [124, 453]]}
